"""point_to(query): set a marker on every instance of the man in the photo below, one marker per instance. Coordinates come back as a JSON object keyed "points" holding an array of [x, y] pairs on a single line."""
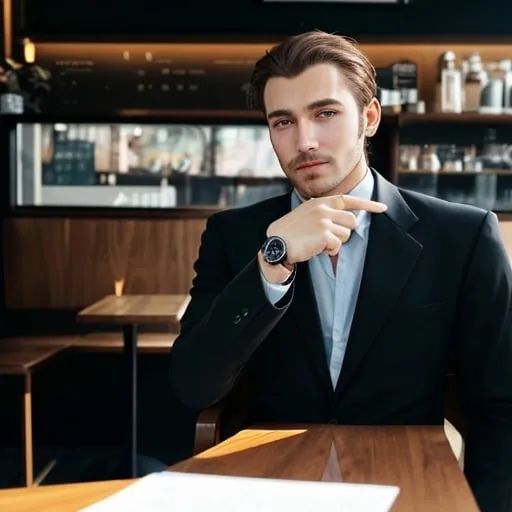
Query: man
{"points": [[346, 301]]}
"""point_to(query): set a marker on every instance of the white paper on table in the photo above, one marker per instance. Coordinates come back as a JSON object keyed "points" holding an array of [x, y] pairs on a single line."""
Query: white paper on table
{"points": [[190, 492]]}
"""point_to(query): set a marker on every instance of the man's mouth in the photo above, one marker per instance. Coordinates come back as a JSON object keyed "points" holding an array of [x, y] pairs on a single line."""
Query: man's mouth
{"points": [[308, 165]]}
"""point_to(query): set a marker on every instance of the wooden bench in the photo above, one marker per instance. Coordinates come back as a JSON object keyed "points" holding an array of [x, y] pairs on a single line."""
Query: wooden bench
{"points": [[23, 361], [21, 356], [148, 343]]}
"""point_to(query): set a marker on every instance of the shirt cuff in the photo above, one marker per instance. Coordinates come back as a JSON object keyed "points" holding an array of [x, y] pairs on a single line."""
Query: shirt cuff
{"points": [[275, 292]]}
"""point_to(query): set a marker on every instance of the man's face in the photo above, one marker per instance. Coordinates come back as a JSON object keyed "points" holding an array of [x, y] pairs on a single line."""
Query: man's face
{"points": [[316, 129]]}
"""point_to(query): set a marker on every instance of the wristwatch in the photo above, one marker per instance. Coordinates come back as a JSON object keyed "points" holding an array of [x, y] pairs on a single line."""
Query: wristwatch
{"points": [[274, 253], [273, 250]]}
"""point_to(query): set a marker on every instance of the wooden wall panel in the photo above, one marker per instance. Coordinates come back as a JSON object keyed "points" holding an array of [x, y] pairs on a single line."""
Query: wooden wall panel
{"points": [[36, 262], [69, 263], [506, 233]]}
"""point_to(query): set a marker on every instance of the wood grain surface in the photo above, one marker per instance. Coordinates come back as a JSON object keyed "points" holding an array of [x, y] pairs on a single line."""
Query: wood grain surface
{"points": [[417, 459], [136, 309], [70, 263]]}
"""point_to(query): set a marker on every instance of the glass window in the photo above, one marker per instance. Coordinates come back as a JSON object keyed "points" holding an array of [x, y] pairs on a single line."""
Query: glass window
{"points": [[147, 166]]}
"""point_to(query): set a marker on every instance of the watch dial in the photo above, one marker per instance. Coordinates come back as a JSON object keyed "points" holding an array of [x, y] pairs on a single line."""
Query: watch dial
{"points": [[274, 250]]}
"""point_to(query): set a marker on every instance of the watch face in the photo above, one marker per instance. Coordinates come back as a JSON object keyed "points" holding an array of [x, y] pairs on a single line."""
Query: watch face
{"points": [[274, 250]]}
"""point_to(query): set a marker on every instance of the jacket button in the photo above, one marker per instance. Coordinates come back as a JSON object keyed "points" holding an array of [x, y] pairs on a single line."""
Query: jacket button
{"points": [[245, 312], [237, 319], [333, 421]]}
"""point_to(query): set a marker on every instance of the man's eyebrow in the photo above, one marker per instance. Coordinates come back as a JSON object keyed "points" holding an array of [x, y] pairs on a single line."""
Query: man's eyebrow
{"points": [[284, 112]]}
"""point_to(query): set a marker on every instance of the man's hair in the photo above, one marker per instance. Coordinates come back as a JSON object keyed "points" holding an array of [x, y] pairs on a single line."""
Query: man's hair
{"points": [[299, 52]]}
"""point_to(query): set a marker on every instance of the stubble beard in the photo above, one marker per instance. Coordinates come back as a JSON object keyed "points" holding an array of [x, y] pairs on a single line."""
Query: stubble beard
{"points": [[320, 185]]}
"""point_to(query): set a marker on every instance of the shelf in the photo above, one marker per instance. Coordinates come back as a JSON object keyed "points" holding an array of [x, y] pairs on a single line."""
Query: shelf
{"points": [[144, 117], [496, 172], [465, 117], [148, 179]]}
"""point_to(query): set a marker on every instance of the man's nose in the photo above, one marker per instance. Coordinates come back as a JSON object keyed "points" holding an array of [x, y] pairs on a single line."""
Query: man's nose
{"points": [[306, 138]]}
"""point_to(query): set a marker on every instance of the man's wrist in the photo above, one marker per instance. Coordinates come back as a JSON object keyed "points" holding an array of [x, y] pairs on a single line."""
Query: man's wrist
{"points": [[288, 266], [275, 274]]}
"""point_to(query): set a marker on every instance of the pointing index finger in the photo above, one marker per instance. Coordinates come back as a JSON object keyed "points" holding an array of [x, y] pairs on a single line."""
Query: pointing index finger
{"points": [[358, 203]]}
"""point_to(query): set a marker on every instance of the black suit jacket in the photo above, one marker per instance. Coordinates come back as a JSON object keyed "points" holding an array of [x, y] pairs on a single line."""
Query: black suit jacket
{"points": [[436, 286]]}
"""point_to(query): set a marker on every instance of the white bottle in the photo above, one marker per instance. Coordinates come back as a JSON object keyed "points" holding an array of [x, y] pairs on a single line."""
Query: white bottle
{"points": [[451, 85]]}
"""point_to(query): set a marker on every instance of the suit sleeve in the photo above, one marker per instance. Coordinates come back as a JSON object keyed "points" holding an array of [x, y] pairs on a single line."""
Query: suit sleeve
{"points": [[483, 353], [227, 319]]}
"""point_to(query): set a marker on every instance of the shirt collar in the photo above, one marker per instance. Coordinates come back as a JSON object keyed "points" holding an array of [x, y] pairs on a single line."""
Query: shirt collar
{"points": [[364, 190]]}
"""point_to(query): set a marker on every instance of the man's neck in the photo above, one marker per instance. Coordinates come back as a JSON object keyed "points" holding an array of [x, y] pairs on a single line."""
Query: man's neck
{"points": [[353, 179]]}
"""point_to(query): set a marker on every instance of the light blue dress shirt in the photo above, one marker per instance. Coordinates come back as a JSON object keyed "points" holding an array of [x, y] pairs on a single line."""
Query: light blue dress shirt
{"points": [[336, 294]]}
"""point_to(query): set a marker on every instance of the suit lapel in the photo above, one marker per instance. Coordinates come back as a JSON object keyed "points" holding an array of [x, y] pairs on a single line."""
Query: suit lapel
{"points": [[391, 256], [303, 311]]}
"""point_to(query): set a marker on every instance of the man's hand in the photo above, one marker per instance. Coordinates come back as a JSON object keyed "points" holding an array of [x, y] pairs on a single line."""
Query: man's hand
{"points": [[320, 224]]}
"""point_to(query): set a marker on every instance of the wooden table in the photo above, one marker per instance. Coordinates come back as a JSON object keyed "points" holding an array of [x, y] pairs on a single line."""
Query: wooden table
{"points": [[416, 459], [130, 312], [23, 362]]}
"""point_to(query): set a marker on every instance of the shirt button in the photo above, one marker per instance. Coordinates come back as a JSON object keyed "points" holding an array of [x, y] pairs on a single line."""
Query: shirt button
{"points": [[237, 319]]}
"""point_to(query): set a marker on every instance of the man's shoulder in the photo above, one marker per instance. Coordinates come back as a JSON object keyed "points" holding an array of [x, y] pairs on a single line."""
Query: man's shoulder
{"points": [[444, 214]]}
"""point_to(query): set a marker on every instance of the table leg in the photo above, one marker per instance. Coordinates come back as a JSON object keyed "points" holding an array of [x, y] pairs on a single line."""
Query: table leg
{"points": [[130, 352], [27, 431]]}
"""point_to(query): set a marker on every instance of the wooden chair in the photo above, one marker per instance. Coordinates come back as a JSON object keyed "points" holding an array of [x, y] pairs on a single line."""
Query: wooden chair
{"points": [[226, 418], [222, 420]]}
